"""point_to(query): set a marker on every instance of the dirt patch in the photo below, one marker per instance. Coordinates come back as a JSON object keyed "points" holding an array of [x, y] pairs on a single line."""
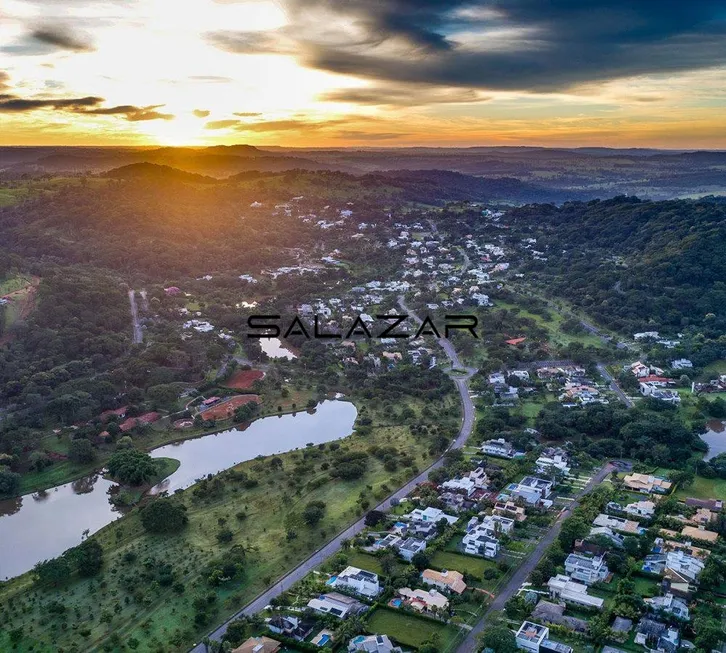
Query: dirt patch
{"points": [[183, 424], [243, 379], [225, 409]]}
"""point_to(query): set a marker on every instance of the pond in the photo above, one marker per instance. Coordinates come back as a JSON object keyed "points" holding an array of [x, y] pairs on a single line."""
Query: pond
{"points": [[715, 438], [274, 348], [41, 526]]}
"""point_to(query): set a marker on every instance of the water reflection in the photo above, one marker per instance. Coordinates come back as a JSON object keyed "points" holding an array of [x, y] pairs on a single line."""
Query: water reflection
{"points": [[715, 438]]}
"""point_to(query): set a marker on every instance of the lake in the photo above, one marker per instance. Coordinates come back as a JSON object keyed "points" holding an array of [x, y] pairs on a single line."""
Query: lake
{"points": [[715, 438], [40, 526]]}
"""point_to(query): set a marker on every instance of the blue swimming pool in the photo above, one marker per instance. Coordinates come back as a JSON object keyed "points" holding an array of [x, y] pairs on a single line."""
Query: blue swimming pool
{"points": [[324, 640], [396, 603], [331, 580]]}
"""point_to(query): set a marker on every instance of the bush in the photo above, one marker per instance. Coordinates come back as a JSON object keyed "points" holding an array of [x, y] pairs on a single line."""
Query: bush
{"points": [[164, 516]]}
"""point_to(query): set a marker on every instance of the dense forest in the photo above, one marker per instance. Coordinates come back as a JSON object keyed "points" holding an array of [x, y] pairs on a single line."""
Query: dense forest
{"points": [[634, 265]]}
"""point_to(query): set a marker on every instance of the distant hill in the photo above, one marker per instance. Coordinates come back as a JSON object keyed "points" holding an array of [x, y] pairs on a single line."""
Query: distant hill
{"points": [[157, 172]]}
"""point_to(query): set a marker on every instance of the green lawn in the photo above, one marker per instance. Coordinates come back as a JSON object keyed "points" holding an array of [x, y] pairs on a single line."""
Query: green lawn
{"points": [[14, 283], [410, 630], [646, 587], [463, 563], [704, 488], [365, 561]]}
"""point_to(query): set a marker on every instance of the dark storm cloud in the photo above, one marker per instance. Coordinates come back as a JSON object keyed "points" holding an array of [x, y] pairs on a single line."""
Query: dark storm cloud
{"points": [[521, 44], [133, 113], [84, 105], [14, 104], [402, 95], [63, 37]]}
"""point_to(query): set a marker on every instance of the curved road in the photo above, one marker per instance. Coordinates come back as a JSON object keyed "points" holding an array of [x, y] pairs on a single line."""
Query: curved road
{"points": [[305, 567]]}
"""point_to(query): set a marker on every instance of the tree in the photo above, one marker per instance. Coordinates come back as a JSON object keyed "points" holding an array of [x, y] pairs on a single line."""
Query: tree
{"points": [[132, 467], [164, 516], [420, 560], [375, 517], [52, 572], [9, 482], [573, 528], [499, 638], [81, 451], [314, 512], [88, 558]]}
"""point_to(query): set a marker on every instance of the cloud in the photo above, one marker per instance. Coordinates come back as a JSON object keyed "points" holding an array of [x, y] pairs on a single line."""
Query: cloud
{"points": [[63, 37], [85, 105], [403, 95], [221, 124], [133, 113], [290, 124], [247, 114], [14, 104], [368, 136], [4, 80], [201, 113], [210, 79], [522, 45]]}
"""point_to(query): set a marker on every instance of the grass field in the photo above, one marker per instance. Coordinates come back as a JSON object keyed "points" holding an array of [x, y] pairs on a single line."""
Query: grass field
{"points": [[704, 488], [409, 630], [135, 607], [463, 563]]}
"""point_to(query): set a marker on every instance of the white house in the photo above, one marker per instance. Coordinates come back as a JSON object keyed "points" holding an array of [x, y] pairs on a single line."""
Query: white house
{"points": [[481, 541], [532, 489], [339, 605], [359, 581], [500, 448], [431, 515], [534, 637], [564, 588], [588, 569], [373, 644], [641, 509], [670, 604], [553, 458], [410, 547]]}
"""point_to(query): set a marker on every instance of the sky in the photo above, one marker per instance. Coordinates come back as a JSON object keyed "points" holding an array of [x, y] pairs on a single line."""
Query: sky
{"points": [[322, 73]]}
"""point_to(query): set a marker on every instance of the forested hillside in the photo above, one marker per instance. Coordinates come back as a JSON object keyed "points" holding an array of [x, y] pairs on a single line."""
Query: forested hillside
{"points": [[631, 264]]}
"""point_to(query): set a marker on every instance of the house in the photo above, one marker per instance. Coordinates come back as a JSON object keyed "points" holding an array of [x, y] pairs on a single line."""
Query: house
{"points": [[258, 645], [588, 569], [373, 644], [554, 613], [431, 516], [682, 567], [358, 581], [711, 504], [699, 533], [647, 484], [500, 448], [626, 526], [339, 605], [669, 604], [564, 588], [532, 489], [681, 364], [474, 480], [497, 378], [289, 626], [657, 636], [454, 501], [449, 581], [551, 459], [410, 547], [481, 541], [654, 392], [428, 602], [641, 509], [609, 533], [534, 637], [510, 509]]}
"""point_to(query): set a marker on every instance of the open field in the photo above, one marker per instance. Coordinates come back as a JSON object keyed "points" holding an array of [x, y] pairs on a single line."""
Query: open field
{"points": [[411, 630], [225, 409], [460, 562], [243, 379], [704, 488]]}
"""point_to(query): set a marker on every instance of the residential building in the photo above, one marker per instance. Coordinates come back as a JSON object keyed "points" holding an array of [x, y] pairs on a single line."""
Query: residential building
{"points": [[534, 637], [339, 605], [681, 364], [588, 569], [647, 484], [510, 509], [290, 626], [358, 581], [550, 613], [454, 501], [657, 636], [604, 531], [428, 602], [564, 588], [447, 580], [551, 459], [644, 509], [653, 391], [699, 533], [258, 645], [410, 547], [474, 480], [500, 448], [669, 604], [626, 526], [431, 515], [373, 644], [481, 541], [532, 489]]}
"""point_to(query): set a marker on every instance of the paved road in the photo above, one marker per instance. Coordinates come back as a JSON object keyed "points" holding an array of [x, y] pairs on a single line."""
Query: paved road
{"points": [[614, 385], [470, 644], [138, 336], [304, 568]]}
